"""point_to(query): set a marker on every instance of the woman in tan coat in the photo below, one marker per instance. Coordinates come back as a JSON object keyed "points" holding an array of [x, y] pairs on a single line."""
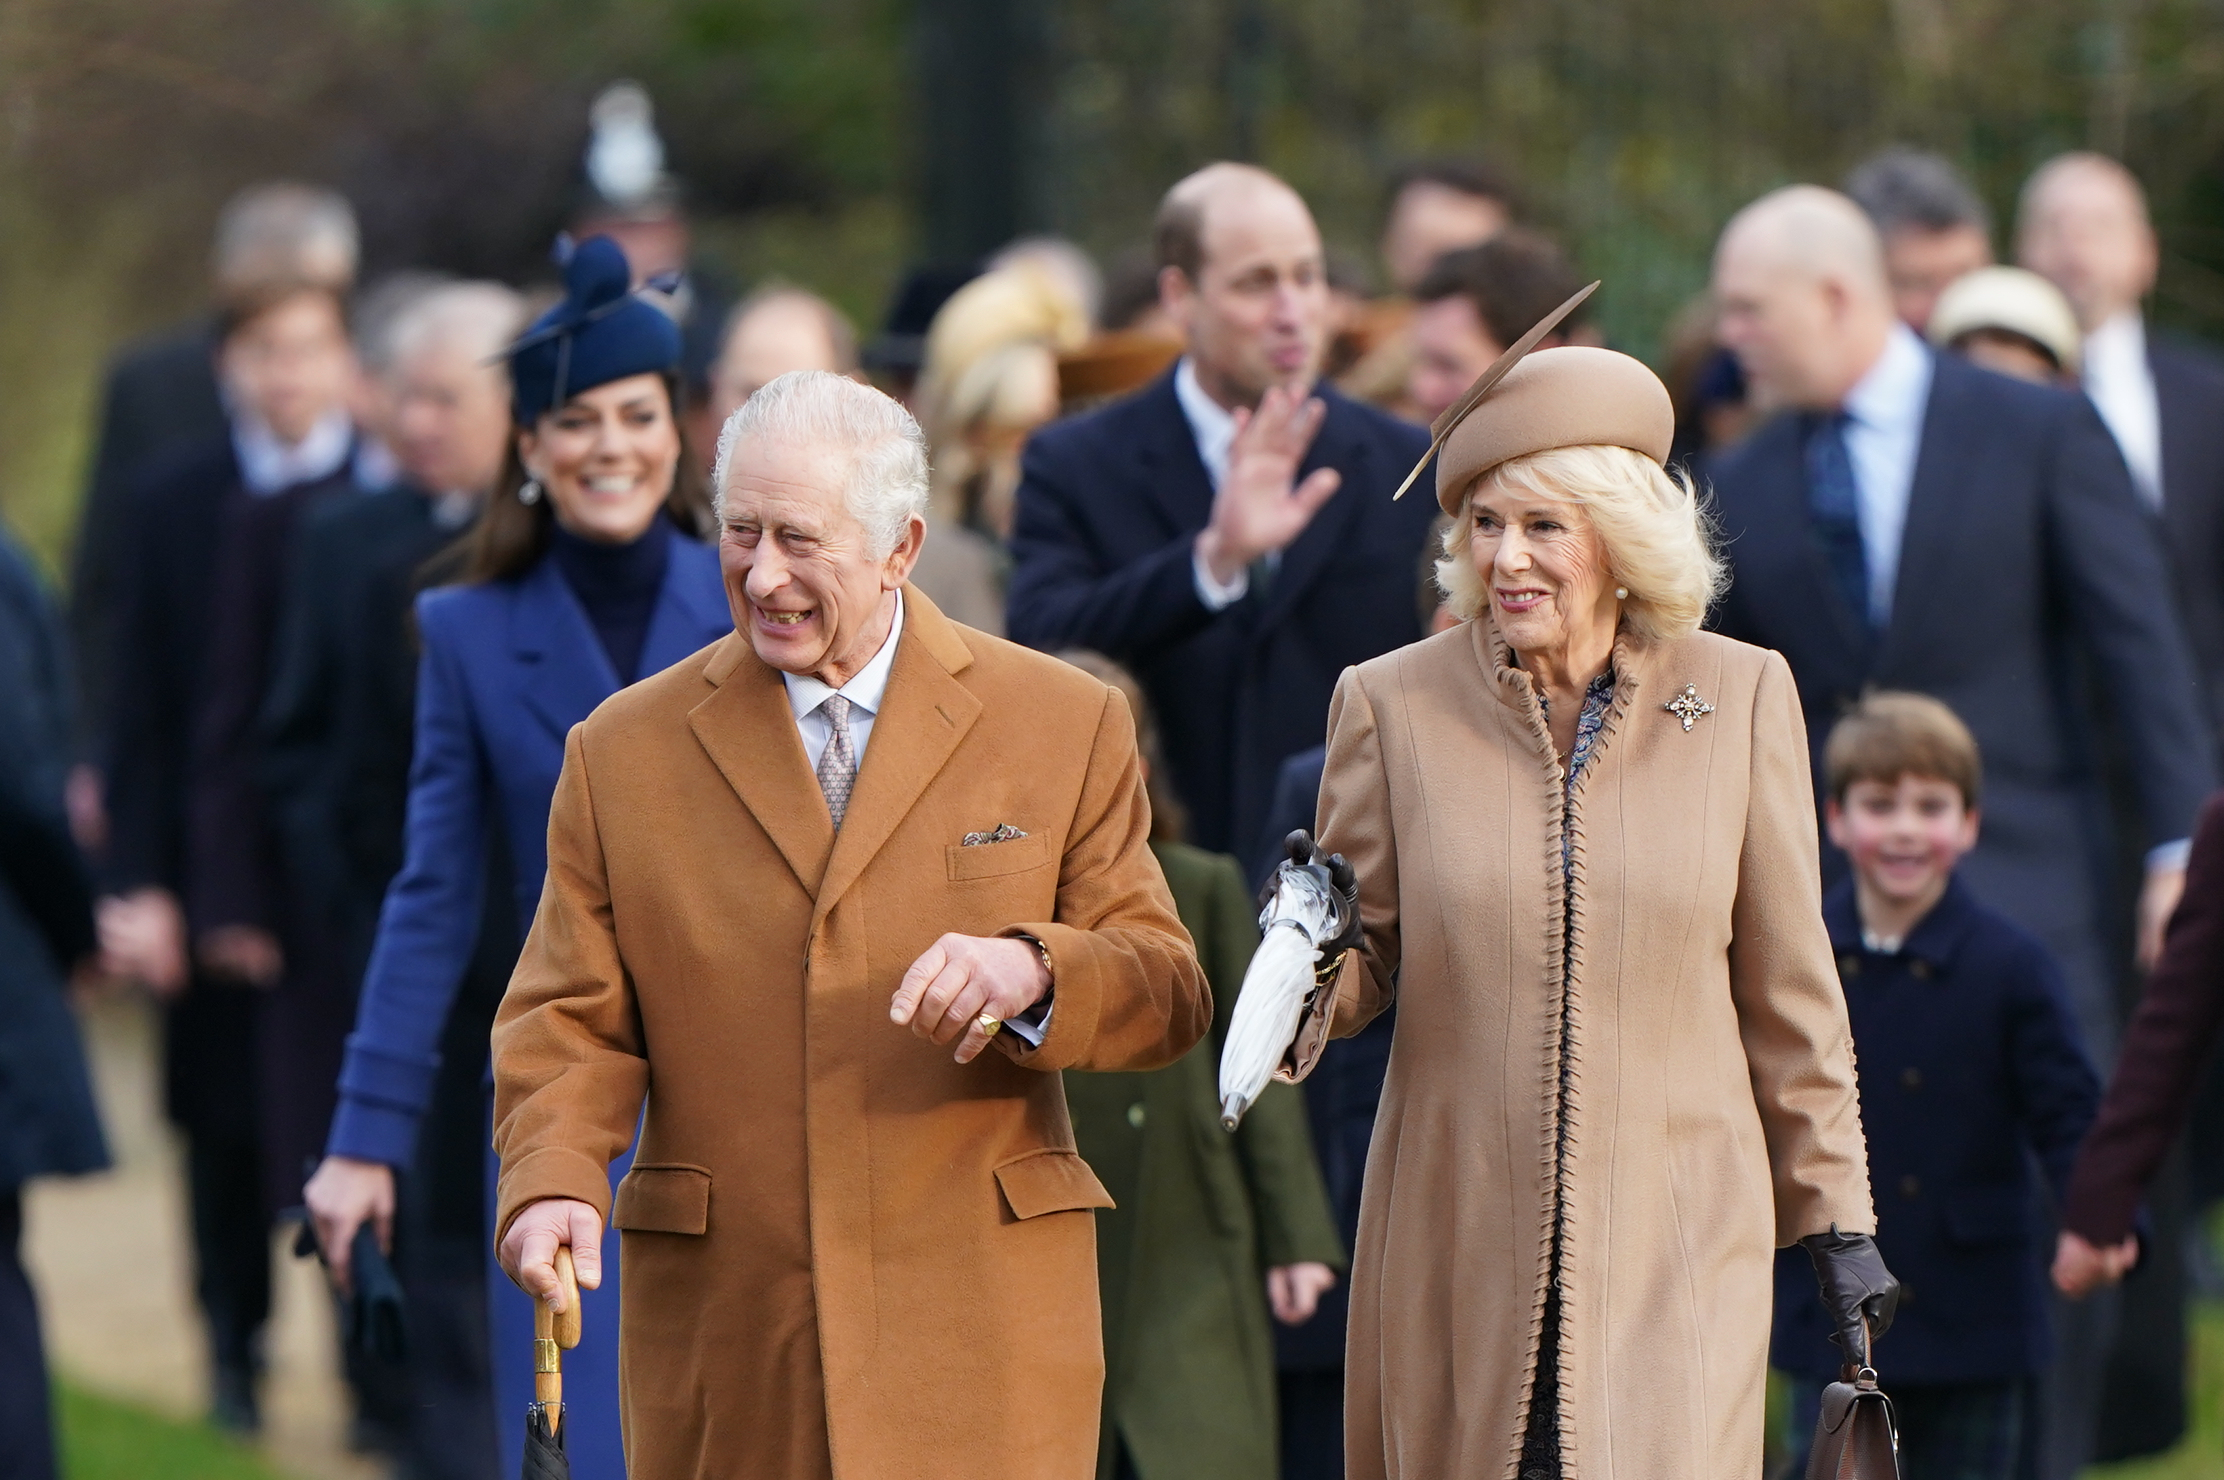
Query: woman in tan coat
{"points": [[1585, 849]]}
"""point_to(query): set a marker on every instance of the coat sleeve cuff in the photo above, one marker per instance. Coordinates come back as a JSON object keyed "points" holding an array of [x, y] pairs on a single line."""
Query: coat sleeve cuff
{"points": [[369, 1131], [550, 1171]]}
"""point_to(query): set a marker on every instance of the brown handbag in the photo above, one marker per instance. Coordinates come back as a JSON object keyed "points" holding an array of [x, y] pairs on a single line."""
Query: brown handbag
{"points": [[1855, 1438]]}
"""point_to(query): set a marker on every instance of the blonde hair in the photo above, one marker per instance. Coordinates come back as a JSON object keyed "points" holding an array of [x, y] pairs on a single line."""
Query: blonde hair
{"points": [[1655, 536]]}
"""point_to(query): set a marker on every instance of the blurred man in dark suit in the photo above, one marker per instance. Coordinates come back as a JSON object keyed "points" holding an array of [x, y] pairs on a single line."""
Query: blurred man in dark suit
{"points": [[198, 538], [1227, 533], [1915, 522], [1933, 226], [162, 398]]}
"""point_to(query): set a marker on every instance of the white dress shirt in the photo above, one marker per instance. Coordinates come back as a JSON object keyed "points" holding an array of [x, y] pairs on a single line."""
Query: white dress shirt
{"points": [[866, 690], [1884, 433], [267, 465], [1214, 428], [2122, 385]]}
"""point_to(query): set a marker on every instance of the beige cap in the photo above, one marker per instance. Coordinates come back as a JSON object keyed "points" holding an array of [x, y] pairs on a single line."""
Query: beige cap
{"points": [[1570, 396], [2010, 299]]}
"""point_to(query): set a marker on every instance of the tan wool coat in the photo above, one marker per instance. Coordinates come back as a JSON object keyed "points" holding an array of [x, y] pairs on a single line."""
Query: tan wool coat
{"points": [[1713, 1111], [845, 1254]]}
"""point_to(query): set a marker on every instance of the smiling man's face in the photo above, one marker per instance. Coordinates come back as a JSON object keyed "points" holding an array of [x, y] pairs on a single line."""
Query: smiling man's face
{"points": [[801, 575]]}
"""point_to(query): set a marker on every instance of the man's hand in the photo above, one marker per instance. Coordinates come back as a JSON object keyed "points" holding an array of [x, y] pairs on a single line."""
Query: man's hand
{"points": [[1261, 507], [2081, 1267], [344, 1195], [246, 953], [960, 977], [528, 1252], [2158, 900], [142, 935], [1295, 1290]]}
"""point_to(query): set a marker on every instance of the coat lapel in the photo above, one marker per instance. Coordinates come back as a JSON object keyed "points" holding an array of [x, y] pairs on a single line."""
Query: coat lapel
{"points": [[749, 732], [1930, 550], [1310, 553], [925, 715], [1782, 573], [1173, 472], [562, 668], [691, 609]]}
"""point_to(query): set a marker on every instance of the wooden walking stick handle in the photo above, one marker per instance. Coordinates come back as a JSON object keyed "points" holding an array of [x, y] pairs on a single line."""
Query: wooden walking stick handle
{"points": [[553, 1333]]}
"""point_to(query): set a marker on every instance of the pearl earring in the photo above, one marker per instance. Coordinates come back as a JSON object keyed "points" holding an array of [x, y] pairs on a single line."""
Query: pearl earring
{"points": [[1621, 593], [529, 492]]}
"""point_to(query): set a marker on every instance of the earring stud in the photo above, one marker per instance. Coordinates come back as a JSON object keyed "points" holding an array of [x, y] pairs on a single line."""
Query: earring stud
{"points": [[529, 492], [1621, 593]]}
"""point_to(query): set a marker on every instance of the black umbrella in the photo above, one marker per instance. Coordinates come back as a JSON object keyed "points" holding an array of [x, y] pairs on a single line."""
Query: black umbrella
{"points": [[553, 1335]]}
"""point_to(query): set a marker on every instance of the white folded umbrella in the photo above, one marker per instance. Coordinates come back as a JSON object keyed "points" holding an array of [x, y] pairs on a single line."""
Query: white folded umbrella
{"points": [[1299, 917]]}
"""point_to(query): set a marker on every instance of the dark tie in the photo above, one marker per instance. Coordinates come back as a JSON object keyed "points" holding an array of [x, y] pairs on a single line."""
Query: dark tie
{"points": [[1835, 505]]}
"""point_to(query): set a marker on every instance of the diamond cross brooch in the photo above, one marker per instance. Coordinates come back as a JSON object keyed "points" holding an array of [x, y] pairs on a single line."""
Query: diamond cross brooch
{"points": [[1688, 706]]}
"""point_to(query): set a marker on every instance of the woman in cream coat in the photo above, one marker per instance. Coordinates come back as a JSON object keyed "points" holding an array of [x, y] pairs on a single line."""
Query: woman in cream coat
{"points": [[1584, 840]]}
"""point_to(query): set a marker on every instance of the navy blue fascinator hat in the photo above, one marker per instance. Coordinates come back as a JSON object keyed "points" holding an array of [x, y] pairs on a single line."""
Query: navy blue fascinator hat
{"points": [[602, 331]]}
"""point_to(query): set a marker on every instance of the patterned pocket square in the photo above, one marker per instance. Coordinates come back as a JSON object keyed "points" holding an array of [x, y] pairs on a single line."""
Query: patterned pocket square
{"points": [[1004, 833]]}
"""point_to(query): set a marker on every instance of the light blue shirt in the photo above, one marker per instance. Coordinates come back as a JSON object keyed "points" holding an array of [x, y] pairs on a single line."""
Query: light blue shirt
{"points": [[1884, 433]]}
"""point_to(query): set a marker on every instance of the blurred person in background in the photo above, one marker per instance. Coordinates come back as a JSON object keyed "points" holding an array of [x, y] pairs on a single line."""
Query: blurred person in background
{"points": [[1208, 1231], [990, 380], [374, 313], [2010, 321], [1714, 411], [2082, 223], [776, 329], [161, 399], [1933, 225], [1912, 521], [203, 533], [586, 572], [1440, 206], [1474, 302], [337, 731], [1226, 533], [48, 1122]]}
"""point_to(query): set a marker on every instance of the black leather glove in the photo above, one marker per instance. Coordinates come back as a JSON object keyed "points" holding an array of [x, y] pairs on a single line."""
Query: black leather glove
{"points": [[1856, 1289], [1343, 886]]}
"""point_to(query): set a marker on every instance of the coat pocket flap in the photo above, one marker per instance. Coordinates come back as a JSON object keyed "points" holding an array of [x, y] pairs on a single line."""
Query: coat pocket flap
{"points": [[1050, 1182], [987, 860], [663, 1199]]}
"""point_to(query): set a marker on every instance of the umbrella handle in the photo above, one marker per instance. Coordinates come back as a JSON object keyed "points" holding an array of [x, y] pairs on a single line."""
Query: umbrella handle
{"points": [[553, 1334]]}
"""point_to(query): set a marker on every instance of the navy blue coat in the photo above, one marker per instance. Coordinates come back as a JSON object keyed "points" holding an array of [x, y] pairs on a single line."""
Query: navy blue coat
{"points": [[2031, 587], [1341, 1094], [1970, 1067], [47, 1120], [1110, 505]]}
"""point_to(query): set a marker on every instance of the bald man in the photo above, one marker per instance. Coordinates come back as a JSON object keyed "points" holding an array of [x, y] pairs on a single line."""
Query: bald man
{"points": [[2083, 223], [1911, 521], [1226, 533]]}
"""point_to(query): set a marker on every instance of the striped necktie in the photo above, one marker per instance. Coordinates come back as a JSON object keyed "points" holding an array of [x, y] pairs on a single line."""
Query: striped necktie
{"points": [[838, 764]]}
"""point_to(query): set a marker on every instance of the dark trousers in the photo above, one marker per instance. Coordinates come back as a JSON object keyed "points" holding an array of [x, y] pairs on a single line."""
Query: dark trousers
{"points": [[231, 1246], [1949, 1431], [1312, 1419], [26, 1407]]}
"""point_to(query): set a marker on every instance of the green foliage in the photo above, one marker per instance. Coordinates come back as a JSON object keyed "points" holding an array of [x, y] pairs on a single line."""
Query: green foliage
{"points": [[102, 1439]]}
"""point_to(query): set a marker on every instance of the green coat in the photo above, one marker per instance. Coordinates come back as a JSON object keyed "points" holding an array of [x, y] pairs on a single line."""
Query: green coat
{"points": [[1201, 1216]]}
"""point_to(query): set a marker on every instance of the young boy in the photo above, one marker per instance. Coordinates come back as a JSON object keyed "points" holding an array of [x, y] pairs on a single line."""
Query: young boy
{"points": [[1970, 1065]]}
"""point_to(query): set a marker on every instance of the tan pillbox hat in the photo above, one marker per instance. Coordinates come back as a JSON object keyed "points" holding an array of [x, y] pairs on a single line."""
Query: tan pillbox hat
{"points": [[1568, 396]]}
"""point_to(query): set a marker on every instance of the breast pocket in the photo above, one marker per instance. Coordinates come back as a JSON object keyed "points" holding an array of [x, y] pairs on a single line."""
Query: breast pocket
{"points": [[994, 860]]}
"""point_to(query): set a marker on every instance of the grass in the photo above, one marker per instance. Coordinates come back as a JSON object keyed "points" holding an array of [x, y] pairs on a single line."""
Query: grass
{"points": [[103, 1439]]}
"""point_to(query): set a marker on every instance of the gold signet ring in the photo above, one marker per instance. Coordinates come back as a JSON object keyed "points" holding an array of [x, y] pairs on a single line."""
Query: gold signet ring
{"points": [[989, 1024]]}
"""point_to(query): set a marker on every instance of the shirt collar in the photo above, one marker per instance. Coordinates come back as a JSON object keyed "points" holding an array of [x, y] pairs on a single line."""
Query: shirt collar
{"points": [[1210, 423], [267, 465], [1894, 392], [1933, 940], [866, 688], [2118, 345]]}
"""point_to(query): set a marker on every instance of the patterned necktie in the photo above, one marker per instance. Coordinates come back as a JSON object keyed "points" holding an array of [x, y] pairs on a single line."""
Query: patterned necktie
{"points": [[1834, 503], [838, 765]]}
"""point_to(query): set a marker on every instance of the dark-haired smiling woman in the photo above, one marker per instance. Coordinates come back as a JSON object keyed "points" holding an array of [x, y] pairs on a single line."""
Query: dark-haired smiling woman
{"points": [[586, 573]]}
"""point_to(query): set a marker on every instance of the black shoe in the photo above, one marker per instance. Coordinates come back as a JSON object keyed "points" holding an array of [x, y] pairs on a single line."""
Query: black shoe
{"points": [[233, 1409]]}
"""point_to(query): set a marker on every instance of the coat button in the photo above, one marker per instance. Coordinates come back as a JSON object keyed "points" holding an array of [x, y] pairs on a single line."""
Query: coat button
{"points": [[1135, 1115], [1910, 1186], [1911, 1078], [1920, 970], [1849, 964]]}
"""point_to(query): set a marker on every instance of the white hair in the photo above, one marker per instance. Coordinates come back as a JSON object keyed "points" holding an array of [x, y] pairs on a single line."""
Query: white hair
{"points": [[475, 319], [887, 483]]}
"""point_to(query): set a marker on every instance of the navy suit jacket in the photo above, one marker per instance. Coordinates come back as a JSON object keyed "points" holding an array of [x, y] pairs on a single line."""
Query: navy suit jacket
{"points": [[1110, 505], [2031, 589], [2189, 393], [508, 668], [1970, 1067]]}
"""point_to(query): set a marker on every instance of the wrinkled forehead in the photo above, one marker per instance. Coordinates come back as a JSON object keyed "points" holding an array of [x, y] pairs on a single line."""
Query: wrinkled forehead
{"points": [[792, 480]]}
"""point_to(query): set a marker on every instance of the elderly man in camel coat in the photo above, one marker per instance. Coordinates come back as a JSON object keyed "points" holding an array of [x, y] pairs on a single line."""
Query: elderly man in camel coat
{"points": [[835, 897]]}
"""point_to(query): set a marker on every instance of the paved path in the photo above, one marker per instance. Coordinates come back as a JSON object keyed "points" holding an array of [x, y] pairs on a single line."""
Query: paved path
{"points": [[113, 1265]]}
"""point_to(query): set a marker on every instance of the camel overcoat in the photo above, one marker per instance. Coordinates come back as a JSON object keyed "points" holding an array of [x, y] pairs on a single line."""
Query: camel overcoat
{"points": [[845, 1254], [1713, 1112]]}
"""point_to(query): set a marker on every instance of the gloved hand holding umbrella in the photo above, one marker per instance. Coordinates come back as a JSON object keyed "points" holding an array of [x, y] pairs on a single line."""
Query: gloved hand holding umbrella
{"points": [[1308, 917]]}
